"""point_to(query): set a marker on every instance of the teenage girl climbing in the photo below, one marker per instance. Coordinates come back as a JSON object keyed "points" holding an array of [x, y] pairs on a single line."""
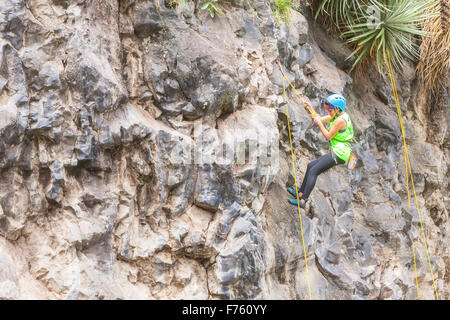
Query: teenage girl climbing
{"points": [[339, 133]]}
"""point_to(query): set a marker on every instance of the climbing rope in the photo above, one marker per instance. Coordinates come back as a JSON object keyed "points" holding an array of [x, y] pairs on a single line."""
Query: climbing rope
{"points": [[408, 165], [295, 176], [313, 114], [399, 113]]}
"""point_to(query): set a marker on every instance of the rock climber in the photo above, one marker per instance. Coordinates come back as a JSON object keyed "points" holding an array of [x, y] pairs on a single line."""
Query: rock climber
{"points": [[339, 133]]}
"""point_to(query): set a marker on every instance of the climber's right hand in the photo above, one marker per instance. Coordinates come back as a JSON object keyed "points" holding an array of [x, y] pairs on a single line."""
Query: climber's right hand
{"points": [[307, 106]]}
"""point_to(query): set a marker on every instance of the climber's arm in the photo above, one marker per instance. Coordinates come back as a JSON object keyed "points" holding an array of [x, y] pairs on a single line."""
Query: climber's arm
{"points": [[337, 126], [325, 119]]}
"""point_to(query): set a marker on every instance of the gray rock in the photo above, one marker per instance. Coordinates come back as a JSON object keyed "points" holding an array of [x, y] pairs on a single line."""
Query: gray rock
{"points": [[208, 192], [13, 21], [304, 54], [219, 92], [98, 90], [240, 265], [146, 19], [58, 172], [387, 132], [190, 113], [250, 31], [370, 164], [9, 287], [46, 114], [342, 201], [226, 220], [48, 78], [188, 75], [183, 195], [171, 90], [172, 109], [334, 48], [308, 69], [383, 217], [345, 223], [62, 3], [300, 78], [8, 116], [321, 208], [363, 248], [3, 83], [383, 93], [312, 91], [329, 262], [12, 69], [93, 77], [85, 147], [387, 168]]}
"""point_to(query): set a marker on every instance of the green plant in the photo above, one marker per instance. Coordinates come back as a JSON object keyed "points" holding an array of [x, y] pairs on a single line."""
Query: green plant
{"points": [[282, 10], [341, 11], [211, 7], [373, 26]]}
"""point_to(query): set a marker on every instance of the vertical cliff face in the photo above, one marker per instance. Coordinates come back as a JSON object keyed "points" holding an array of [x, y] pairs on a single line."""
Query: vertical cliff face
{"points": [[144, 154]]}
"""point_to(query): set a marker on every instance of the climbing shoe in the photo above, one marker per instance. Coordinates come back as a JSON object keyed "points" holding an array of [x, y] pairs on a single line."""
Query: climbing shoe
{"points": [[292, 191], [302, 203]]}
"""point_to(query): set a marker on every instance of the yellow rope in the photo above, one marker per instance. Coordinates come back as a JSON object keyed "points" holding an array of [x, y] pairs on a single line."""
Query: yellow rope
{"points": [[394, 88], [313, 114], [415, 271], [399, 113], [296, 190]]}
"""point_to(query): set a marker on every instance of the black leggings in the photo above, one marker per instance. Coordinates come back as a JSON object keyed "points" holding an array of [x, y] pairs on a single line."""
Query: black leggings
{"points": [[313, 170]]}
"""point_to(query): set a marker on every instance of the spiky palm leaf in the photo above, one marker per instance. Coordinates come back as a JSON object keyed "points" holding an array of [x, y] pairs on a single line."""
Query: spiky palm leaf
{"points": [[398, 27]]}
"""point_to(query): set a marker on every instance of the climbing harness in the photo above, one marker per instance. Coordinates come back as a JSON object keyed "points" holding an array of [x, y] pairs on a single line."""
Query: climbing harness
{"points": [[408, 166], [293, 167]]}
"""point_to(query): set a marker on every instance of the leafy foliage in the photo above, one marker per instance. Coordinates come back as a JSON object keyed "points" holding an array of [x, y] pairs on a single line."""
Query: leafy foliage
{"points": [[212, 8], [374, 26], [340, 12], [282, 10]]}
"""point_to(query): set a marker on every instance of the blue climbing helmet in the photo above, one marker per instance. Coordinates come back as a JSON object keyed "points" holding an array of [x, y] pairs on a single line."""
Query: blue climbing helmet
{"points": [[337, 100]]}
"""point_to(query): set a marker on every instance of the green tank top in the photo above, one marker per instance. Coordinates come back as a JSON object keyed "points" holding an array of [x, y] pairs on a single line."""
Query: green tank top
{"points": [[340, 143]]}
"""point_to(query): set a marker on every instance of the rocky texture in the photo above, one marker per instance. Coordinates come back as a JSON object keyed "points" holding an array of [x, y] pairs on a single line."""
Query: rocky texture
{"points": [[144, 155]]}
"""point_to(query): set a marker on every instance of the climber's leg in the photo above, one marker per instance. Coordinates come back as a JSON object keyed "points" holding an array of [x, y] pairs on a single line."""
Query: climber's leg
{"points": [[300, 191], [310, 165], [324, 163]]}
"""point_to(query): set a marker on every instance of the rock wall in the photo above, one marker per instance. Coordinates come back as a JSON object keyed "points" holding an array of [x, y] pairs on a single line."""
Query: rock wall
{"points": [[144, 154]]}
